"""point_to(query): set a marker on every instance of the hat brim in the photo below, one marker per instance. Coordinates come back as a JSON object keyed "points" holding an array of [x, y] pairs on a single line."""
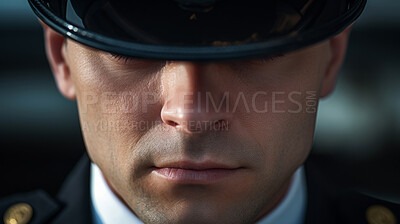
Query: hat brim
{"points": [[166, 31]]}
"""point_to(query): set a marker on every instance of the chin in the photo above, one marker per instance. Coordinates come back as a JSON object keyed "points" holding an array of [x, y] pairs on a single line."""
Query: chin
{"points": [[194, 216], [199, 211]]}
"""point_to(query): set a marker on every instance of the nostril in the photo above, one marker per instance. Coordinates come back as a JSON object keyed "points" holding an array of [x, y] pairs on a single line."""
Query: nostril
{"points": [[172, 123]]}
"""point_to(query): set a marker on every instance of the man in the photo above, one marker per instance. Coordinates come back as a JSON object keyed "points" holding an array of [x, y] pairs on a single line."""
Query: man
{"points": [[196, 111]]}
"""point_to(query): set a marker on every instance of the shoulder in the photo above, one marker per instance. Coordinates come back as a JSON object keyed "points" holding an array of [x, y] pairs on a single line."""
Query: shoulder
{"points": [[334, 198], [34, 207], [72, 204]]}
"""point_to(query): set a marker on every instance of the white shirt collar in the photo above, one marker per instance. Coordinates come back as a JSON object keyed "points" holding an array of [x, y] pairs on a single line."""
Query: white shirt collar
{"points": [[106, 205], [111, 210]]}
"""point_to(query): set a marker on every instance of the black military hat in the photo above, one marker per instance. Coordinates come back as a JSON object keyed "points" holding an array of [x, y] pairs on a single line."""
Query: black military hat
{"points": [[198, 29]]}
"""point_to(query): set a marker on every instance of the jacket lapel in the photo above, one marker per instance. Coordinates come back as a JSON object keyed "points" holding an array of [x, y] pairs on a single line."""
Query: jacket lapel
{"points": [[75, 196]]}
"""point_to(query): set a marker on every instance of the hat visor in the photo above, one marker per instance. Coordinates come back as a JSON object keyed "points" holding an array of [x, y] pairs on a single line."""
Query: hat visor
{"points": [[161, 29]]}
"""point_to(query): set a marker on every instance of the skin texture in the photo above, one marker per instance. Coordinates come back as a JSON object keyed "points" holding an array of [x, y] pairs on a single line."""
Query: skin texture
{"points": [[137, 114]]}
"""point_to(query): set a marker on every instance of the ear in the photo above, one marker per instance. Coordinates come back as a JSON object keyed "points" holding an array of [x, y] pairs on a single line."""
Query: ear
{"points": [[56, 50], [338, 47]]}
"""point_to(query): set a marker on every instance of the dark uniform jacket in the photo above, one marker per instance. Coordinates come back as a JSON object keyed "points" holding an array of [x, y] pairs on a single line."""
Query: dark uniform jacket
{"points": [[327, 202]]}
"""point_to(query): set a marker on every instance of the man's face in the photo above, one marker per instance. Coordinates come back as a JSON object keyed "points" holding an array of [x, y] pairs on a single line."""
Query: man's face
{"points": [[198, 142]]}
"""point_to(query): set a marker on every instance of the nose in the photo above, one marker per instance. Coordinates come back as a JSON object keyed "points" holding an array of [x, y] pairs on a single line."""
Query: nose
{"points": [[194, 100]]}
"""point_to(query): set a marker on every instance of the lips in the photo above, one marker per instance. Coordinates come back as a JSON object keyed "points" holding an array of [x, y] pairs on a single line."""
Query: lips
{"points": [[195, 173]]}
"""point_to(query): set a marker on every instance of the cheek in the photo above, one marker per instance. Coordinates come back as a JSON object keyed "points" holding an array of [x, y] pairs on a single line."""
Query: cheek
{"points": [[116, 108], [284, 130], [283, 109]]}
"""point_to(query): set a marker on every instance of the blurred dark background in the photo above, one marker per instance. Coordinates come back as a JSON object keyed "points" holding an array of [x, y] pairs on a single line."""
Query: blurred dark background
{"points": [[358, 126]]}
